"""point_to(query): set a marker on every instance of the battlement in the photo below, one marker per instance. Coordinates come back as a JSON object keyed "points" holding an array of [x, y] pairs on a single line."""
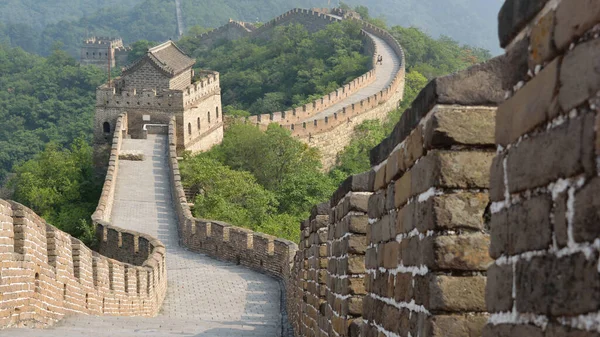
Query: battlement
{"points": [[207, 85], [104, 41], [289, 119], [117, 96], [53, 274], [301, 113], [111, 97], [221, 240]]}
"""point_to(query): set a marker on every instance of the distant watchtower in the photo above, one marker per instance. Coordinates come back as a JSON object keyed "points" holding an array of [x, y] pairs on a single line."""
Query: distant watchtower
{"points": [[152, 90], [95, 51]]}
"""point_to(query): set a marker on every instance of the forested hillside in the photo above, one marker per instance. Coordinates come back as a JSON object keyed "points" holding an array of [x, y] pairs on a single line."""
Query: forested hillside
{"points": [[42, 100], [35, 25], [293, 68]]}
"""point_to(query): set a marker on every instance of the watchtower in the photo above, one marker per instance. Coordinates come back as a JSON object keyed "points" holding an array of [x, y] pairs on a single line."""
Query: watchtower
{"points": [[152, 90], [95, 51]]}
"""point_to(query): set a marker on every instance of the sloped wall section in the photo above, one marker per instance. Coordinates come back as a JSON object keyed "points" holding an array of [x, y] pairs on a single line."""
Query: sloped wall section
{"points": [[402, 249], [47, 274]]}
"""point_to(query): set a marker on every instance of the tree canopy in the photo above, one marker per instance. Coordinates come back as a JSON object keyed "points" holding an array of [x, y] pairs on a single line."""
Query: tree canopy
{"points": [[42, 100], [292, 68]]}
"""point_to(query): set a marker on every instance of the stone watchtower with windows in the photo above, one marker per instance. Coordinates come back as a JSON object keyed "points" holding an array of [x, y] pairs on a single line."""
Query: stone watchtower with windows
{"points": [[95, 51], [158, 86]]}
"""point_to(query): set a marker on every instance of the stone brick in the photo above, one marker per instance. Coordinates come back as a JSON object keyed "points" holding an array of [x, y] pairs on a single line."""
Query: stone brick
{"points": [[377, 205], [569, 285], [356, 265], [455, 325], [357, 244], [462, 252], [451, 212], [560, 220], [456, 294], [529, 225], [511, 330], [587, 212], [358, 224], [458, 125], [514, 16], [450, 169], [560, 152], [403, 290], [498, 291], [380, 177], [393, 168], [528, 108], [390, 255], [497, 188], [355, 306], [597, 135], [357, 286], [542, 42], [405, 218], [414, 147], [573, 18], [579, 74], [403, 189]]}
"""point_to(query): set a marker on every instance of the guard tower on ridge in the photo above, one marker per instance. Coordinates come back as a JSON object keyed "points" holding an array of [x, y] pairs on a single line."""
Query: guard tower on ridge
{"points": [[158, 86]]}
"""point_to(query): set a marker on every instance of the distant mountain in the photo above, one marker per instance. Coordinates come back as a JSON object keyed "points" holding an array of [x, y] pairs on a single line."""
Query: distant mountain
{"points": [[35, 24]]}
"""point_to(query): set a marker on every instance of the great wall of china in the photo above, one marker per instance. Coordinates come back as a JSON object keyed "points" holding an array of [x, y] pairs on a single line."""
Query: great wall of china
{"points": [[328, 123], [479, 217]]}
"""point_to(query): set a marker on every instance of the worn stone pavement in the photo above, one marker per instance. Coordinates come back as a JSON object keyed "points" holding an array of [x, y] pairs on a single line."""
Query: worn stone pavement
{"points": [[385, 74], [205, 297]]}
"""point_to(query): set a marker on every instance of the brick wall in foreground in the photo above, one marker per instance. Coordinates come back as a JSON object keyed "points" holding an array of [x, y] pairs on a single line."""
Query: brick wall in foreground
{"points": [[545, 184]]}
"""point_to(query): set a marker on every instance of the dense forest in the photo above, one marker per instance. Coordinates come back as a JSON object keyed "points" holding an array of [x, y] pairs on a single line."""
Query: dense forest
{"points": [[43, 100], [288, 70], [36, 25]]}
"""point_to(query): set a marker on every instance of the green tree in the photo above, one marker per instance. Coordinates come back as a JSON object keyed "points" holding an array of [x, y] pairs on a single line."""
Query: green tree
{"points": [[139, 49], [59, 185]]}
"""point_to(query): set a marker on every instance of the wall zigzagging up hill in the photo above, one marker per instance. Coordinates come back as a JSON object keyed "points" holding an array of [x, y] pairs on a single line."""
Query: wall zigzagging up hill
{"points": [[330, 133]]}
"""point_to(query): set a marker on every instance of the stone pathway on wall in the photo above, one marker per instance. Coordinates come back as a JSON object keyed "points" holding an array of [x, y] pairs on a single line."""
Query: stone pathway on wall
{"points": [[205, 297], [385, 74]]}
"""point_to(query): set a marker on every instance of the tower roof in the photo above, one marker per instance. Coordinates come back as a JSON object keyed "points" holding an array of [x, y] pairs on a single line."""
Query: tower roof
{"points": [[167, 57]]}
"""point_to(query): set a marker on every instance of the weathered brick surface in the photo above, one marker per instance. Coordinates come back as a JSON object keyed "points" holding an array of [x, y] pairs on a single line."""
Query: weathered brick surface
{"points": [[573, 18], [528, 108], [576, 83], [47, 274], [544, 230], [567, 149], [543, 48]]}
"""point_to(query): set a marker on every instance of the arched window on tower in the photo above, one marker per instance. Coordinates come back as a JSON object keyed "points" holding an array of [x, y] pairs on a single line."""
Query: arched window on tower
{"points": [[209, 116], [217, 113], [106, 127], [198, 123], [189, 128]]}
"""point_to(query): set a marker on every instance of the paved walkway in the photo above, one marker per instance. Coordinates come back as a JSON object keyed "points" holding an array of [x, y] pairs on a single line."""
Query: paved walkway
{"points": [[385, 75], [205, 297]]}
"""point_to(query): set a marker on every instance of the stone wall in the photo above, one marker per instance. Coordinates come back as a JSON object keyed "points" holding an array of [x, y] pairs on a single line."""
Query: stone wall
{"points": [[47, 274], [544, 179], [149, 106], [146, 76], [221, 240]]}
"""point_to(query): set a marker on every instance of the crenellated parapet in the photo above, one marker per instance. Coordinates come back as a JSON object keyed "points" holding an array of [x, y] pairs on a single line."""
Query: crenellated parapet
{"points": [[47, 274], [221, 240]]}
